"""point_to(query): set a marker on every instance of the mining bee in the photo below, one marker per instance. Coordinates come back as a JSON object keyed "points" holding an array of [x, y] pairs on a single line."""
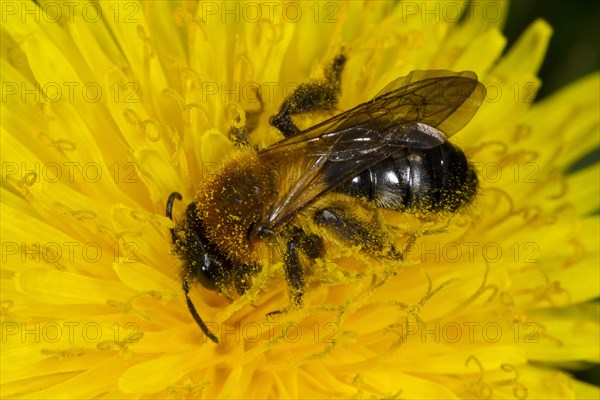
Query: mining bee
{"points": [[390, 153]]}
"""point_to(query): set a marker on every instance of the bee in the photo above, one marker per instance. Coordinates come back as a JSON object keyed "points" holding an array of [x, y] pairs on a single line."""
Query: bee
{"points": [[389, 153]]}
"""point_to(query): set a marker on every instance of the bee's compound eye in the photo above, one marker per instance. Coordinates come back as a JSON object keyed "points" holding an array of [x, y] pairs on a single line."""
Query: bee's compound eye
{"points": [[208, 273], [203, 263]]}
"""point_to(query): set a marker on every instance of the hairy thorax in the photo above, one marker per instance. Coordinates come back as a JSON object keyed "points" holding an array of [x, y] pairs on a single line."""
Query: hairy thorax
{"points": [[232, 202]]}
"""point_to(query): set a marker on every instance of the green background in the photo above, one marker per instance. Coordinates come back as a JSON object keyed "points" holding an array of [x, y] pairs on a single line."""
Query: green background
{"points": [[574, 51]]}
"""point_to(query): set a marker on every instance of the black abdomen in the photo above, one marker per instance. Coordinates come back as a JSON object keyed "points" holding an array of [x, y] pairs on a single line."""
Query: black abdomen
{"points": [[431, 180]]}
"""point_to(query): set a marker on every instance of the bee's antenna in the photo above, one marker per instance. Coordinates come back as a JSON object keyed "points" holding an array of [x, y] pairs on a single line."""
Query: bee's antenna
{"points": [[170, 201], [201, 324]]}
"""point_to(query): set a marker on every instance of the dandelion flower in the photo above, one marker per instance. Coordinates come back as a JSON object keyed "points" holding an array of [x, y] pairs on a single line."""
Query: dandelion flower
{"points": [[108, 107]]}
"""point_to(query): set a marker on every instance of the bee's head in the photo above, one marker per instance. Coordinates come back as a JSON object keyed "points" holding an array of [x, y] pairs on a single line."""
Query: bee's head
{"points": [[200, 261]]}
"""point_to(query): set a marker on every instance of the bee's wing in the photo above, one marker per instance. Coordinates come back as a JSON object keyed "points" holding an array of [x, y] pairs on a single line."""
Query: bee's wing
{"points": [[417, 111], [445, 100]]}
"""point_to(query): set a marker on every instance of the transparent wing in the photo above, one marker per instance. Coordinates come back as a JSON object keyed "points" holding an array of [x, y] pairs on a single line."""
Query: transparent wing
{"points": [[419, 111]]}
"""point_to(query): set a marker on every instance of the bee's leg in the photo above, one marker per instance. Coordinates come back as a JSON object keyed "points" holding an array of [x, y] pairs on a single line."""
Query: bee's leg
{"points": [[298, 242], [312, 247], [239, 135], [195, 315], [314, 95], [169, 211], [370, 235]]}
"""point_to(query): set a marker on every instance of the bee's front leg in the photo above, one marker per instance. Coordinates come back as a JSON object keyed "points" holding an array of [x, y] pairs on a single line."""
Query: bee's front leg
{"points": [[239, 135], [321, 94]]}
